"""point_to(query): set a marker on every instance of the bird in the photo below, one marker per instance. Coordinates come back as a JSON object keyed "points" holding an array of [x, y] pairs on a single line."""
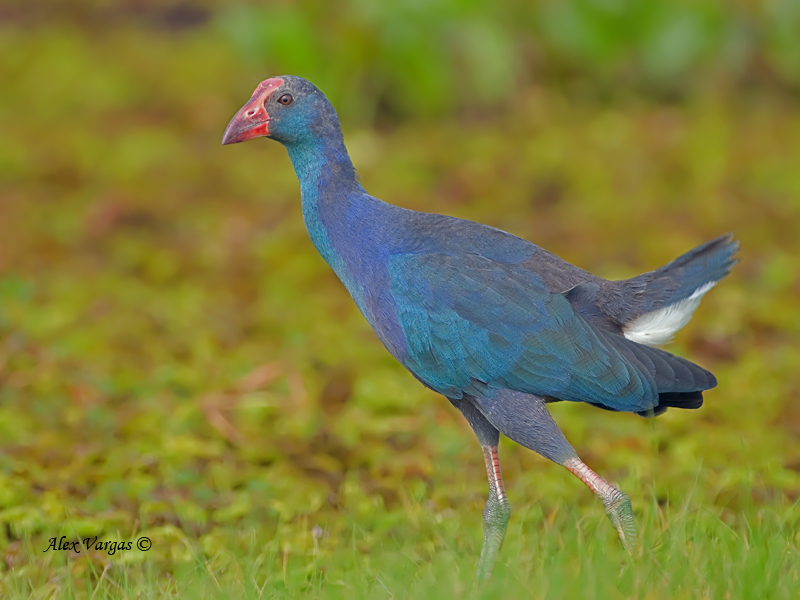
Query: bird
{"points": [[497, 325]]}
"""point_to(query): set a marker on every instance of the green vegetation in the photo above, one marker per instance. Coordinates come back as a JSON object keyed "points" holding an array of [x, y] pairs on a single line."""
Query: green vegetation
{"points": [[177, 362]]}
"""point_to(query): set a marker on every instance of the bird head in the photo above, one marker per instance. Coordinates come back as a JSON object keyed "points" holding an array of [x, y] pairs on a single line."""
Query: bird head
{"points": [[288, 109]]}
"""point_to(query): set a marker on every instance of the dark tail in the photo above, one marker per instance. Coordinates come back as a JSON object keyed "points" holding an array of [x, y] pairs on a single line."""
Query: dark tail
{"points": [[662, 301], [685, 275], [680, 383]]}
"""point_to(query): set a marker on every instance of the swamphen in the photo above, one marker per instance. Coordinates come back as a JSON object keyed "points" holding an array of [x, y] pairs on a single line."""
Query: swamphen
{"points": [[497, 325]]}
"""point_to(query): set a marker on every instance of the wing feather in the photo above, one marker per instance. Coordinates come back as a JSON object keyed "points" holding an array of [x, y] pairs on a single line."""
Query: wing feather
{"points": [[471, 322]]}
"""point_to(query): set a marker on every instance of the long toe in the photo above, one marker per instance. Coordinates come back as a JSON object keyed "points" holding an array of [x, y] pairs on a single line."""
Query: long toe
{"points": [[619, 510], [495, 523]]}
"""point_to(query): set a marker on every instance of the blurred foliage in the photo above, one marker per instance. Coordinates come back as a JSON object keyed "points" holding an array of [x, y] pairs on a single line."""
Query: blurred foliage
{"points": [[176, 360], [411, 58], [426, 58]]}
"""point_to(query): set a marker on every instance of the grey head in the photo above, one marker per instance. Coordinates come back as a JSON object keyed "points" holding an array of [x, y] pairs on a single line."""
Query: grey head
{"points": [[288, 109]]}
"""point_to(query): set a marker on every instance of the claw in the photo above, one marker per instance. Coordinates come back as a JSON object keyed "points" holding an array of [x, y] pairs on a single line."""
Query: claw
{"points": [[495, 516], [617, 505], [619, 510]]}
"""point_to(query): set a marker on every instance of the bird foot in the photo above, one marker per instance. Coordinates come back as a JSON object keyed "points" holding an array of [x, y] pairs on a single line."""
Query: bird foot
{"points": [[619, 510], [495, 522], [618, 507]]}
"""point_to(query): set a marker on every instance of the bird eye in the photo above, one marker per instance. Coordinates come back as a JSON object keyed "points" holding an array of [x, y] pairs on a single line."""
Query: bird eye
{"points": [[286, 99]]}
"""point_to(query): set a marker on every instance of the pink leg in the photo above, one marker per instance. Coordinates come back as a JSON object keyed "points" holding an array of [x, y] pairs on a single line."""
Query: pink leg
{"points": [[618, 507], [493, 472], [496, 514]]}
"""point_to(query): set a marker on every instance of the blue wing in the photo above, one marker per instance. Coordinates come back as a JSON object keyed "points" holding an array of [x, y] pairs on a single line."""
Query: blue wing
{"points": [[472, 324]]}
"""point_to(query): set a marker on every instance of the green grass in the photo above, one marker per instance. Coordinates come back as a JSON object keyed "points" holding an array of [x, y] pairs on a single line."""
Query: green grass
{"points": [[687, 552], [176, 362]]}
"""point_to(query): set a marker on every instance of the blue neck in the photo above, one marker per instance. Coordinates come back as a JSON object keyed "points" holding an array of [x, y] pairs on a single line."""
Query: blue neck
{"points": [[326, 175], [345, 224]]}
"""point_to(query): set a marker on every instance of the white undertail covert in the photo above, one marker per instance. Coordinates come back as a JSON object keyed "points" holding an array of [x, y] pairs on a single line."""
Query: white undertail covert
{"points": [[657, 327]]}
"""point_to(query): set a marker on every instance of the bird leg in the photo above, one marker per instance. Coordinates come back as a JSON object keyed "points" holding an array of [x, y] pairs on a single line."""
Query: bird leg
{"points": [[498, 511], [525, 419], [618, 507], [496, 514]]}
